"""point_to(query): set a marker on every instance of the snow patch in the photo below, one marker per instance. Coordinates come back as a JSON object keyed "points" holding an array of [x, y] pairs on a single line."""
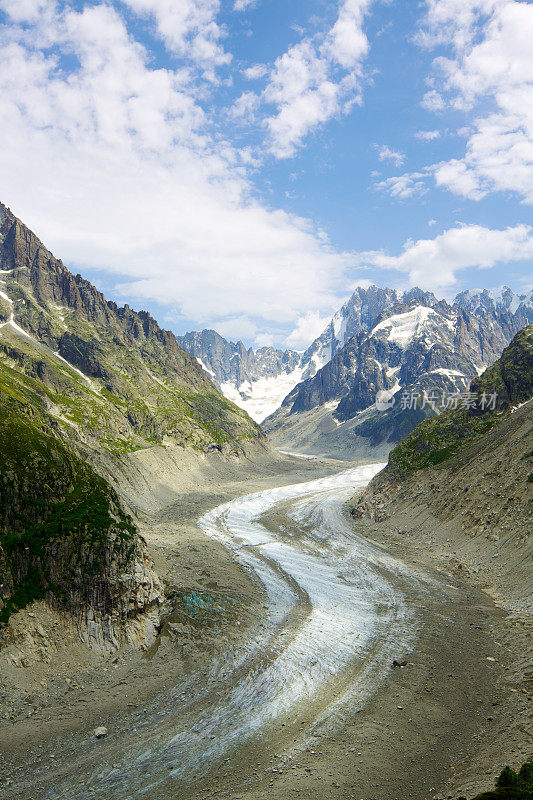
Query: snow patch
{"points": [[449, 373], [403, 328], [12, 324], [515, 408], [206, 368], [261, 397], [339, 327]]}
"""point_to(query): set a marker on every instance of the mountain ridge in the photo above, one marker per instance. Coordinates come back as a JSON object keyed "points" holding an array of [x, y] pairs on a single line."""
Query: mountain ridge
{"points": [[416, 346], [86, 385], [256, 379]]}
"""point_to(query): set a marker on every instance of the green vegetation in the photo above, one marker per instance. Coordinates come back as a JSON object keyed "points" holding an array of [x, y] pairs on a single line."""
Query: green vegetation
{"points": [[511, 785], [437, 439], [60, 522], [88, 376]]}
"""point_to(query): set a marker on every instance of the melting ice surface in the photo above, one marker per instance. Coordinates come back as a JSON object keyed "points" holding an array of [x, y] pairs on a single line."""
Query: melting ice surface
{"points": [[336, 617]]}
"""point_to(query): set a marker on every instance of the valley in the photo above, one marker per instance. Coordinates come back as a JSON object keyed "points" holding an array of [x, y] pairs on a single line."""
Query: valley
{"points": [[188, 612], [293, 690]]}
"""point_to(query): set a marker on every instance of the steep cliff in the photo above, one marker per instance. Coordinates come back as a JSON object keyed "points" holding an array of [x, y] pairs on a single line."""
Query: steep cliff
{"points": [[65, 537]]}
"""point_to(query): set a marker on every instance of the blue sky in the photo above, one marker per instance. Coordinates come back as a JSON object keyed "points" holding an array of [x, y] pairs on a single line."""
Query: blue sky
{"points": [[244, 165]]}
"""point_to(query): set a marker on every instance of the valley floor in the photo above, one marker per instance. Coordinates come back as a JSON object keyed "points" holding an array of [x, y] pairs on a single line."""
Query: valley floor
{"points": [[449, 718]]}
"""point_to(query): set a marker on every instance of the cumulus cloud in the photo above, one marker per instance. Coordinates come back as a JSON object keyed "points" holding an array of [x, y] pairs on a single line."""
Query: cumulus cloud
{"points": [[489, 74], [433, 263], [432, 101], [402, 187], [317, 79], [188, 28], [245, 106], [427, 136], [255, 72], [244, 5], [114, 165]]}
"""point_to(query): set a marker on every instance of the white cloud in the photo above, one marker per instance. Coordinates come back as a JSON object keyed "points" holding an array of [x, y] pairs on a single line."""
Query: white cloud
{"points": [[433, 263], [188, 28], [427, 136], [25, 10], [346, 42], [490, 66], [317, 79], [237, 328], [432, 101], [127, 178], [308, 327], [386, 153], [245, 106], [410, 184], [254, 72], [264, 340], [244, 5]]}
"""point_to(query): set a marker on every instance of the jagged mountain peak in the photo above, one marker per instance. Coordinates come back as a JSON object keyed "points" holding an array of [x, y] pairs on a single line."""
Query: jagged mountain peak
{"points": [[415, 344], [500, 299], [262, 380]]}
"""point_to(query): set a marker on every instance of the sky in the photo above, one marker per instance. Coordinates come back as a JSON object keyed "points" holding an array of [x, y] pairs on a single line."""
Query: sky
{"points": [[243, 165]]}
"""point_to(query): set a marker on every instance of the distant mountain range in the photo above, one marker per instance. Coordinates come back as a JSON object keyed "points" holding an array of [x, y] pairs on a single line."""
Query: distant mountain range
{"points": [[381, 340]]}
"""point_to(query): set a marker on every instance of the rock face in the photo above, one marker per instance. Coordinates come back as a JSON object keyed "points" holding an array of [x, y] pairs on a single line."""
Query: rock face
{"points": [[65, 537], [231, 362], [256, 380], [259, 380], [408, 351]]}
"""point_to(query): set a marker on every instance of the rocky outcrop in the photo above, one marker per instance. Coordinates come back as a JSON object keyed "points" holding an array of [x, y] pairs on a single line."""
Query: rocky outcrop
{"points": [[65, 537], [232, 362]]}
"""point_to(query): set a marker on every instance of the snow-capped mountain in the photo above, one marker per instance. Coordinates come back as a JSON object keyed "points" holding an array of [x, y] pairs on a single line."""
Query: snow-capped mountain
{"points": [[256, 380], [416, 344], [496, 301], [259, 380], [380, 340]]}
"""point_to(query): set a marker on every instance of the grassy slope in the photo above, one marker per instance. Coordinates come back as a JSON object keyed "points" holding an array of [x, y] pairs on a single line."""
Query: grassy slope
{"points": [[436, 439]]}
